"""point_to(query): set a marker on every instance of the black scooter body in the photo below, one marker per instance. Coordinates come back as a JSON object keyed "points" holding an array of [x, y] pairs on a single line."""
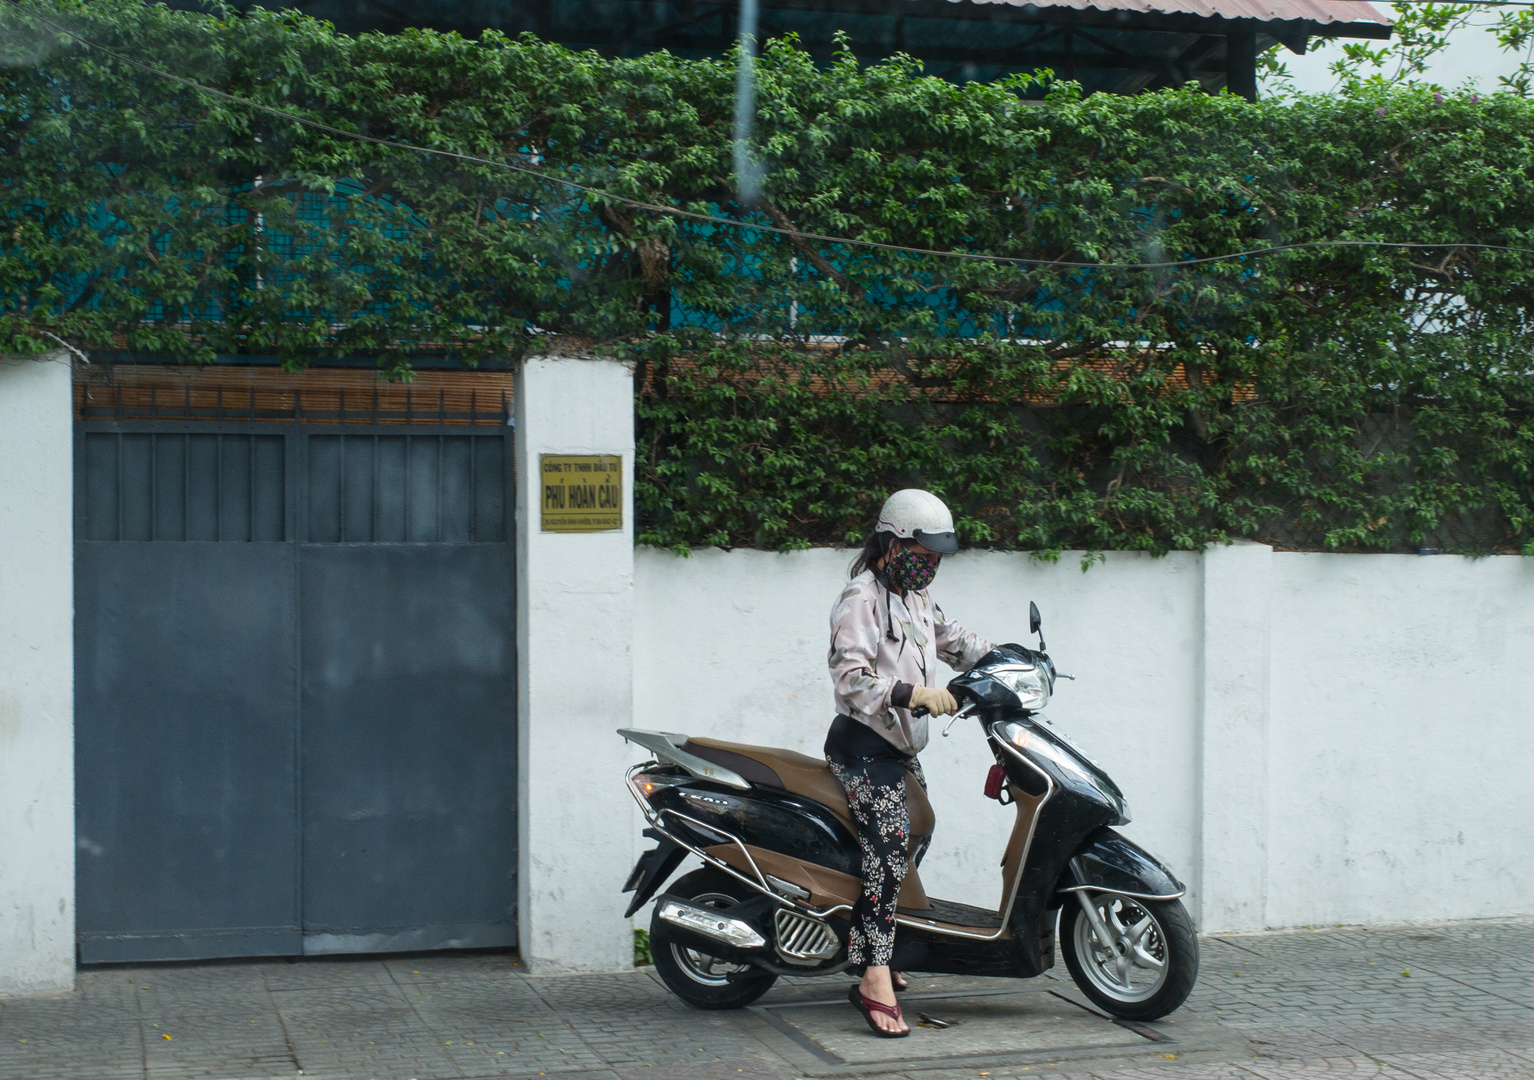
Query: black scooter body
{"points": [[1082, 802], [762, 817], [1063, 838]]}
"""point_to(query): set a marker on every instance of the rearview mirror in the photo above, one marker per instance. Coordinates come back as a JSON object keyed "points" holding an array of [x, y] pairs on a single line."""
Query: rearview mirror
{"points": [[1034, 621]]}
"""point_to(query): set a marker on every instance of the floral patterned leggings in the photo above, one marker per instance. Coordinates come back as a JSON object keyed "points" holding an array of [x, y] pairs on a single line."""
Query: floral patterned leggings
{"points": [[876, 793]]}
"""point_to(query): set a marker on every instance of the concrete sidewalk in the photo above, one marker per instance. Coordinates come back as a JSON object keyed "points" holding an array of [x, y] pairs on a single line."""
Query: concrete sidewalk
{"points": [[1451, 1001]]}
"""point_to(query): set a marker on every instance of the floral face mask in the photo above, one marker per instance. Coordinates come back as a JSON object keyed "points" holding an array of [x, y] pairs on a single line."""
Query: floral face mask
{"points": [[909, 571]]}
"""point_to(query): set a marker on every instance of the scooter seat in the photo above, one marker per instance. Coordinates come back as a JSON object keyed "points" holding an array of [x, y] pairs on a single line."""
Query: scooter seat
{"points": [[803, 775]]}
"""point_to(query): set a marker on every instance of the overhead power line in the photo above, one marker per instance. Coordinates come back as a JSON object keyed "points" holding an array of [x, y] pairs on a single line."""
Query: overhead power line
{"points": [[714, 219]]}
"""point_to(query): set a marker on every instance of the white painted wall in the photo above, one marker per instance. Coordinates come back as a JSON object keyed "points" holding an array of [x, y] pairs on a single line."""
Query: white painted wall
{"points": [[575, 633], [1402, 745], [1304, 738], [37, 828], [1231, 797], [743, 636]]}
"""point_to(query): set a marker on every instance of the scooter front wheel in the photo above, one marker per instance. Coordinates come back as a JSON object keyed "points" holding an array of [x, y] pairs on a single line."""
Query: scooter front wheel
{"points": [[701, 980], [1149, 963]]}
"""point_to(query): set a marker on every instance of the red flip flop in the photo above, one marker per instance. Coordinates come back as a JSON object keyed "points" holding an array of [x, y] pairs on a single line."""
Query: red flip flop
{"points": [[868, 1006]]}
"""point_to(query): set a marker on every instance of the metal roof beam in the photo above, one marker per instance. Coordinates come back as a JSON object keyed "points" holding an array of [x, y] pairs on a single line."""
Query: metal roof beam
{"points": [[1057, 60], [1032, 14]]}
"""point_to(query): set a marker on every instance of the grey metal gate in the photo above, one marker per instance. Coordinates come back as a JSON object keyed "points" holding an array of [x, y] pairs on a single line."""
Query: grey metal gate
{"points": [[295, 707]]}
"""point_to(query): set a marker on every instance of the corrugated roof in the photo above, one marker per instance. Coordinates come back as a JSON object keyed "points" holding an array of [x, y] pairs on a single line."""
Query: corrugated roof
{"points": [[1316, 11]]}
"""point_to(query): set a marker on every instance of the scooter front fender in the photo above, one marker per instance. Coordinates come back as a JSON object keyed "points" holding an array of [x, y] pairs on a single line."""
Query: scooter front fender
{"points": [[1107, 862]]}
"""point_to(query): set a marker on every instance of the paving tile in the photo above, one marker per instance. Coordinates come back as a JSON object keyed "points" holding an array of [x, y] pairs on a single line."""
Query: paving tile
{"points": [[1306, 1005], [320, 973], [68, 1040], [995, 1024]]}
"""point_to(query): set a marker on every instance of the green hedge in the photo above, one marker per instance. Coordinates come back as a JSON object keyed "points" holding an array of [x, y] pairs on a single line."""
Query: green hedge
{"points": [[1339, 398]]}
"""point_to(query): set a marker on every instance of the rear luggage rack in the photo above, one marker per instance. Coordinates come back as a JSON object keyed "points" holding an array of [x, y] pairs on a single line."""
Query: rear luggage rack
{"points": [[668, 746]]}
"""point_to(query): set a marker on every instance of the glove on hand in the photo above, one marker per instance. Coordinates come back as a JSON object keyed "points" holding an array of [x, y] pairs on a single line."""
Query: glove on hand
{"points": [[939, 702]]}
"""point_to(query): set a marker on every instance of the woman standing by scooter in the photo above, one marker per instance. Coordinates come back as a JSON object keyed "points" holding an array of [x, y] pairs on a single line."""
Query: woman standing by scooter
{"points": [[887, 635]]}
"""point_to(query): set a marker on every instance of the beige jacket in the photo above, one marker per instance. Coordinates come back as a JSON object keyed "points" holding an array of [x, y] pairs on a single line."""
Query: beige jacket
{"points": [[882, 645]]}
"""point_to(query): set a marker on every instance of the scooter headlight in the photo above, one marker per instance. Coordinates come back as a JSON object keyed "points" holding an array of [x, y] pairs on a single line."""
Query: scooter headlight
{"points": [[1030, 683]]}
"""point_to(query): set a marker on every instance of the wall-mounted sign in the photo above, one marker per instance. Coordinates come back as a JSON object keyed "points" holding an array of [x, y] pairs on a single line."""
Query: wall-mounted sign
{"points": [[581, 492]]}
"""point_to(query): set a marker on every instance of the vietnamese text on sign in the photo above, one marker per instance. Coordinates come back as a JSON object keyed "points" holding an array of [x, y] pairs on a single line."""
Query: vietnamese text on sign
{"points": [[581, 492]]}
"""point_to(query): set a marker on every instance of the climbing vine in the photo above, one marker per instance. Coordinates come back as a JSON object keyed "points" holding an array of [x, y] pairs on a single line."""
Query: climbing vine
{"points": [[1342, 398]]}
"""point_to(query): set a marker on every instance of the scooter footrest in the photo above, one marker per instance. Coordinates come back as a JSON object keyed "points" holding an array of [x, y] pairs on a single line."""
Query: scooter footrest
{"points": [[954, 914]]}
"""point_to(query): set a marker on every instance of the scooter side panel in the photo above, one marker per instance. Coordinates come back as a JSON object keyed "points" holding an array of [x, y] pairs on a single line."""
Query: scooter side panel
{"points": [[827, 887], [781, 822], [1064, 819], [916, 950]]}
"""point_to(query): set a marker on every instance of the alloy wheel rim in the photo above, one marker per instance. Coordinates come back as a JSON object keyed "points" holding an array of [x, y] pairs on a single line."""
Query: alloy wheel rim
{"points": [[1132, 966], [701, 967]]}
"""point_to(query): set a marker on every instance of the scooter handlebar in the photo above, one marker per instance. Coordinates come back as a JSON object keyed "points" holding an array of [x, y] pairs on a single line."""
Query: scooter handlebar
{"points": [[922, 710]]}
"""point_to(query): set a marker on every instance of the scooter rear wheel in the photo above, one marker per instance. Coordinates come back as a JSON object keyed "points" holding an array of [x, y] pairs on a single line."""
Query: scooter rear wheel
{"points": [[701, 980], [1149, 965]]}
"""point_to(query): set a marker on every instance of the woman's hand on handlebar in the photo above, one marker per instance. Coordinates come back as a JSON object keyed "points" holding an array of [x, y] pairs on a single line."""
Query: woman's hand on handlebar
{"points": [[932, 699]]}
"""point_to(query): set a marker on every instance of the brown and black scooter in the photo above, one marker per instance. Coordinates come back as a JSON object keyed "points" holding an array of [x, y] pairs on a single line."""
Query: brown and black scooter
{"points": [[781, 862]]}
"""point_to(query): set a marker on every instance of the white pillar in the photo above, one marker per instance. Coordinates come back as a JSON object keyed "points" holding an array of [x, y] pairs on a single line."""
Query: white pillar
{"points": [[37, 677], [1233, 743], [575, 685]]}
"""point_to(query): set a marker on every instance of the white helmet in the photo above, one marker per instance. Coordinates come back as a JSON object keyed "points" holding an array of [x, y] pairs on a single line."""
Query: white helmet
{"points": [[914, 514]]}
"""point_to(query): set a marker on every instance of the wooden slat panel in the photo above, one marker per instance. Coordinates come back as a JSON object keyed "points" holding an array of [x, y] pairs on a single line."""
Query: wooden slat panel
{"points": [[269, 395]]}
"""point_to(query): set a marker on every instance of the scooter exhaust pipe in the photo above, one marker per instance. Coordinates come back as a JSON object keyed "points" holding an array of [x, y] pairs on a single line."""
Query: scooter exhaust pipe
{"points": [[711, 923]]}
